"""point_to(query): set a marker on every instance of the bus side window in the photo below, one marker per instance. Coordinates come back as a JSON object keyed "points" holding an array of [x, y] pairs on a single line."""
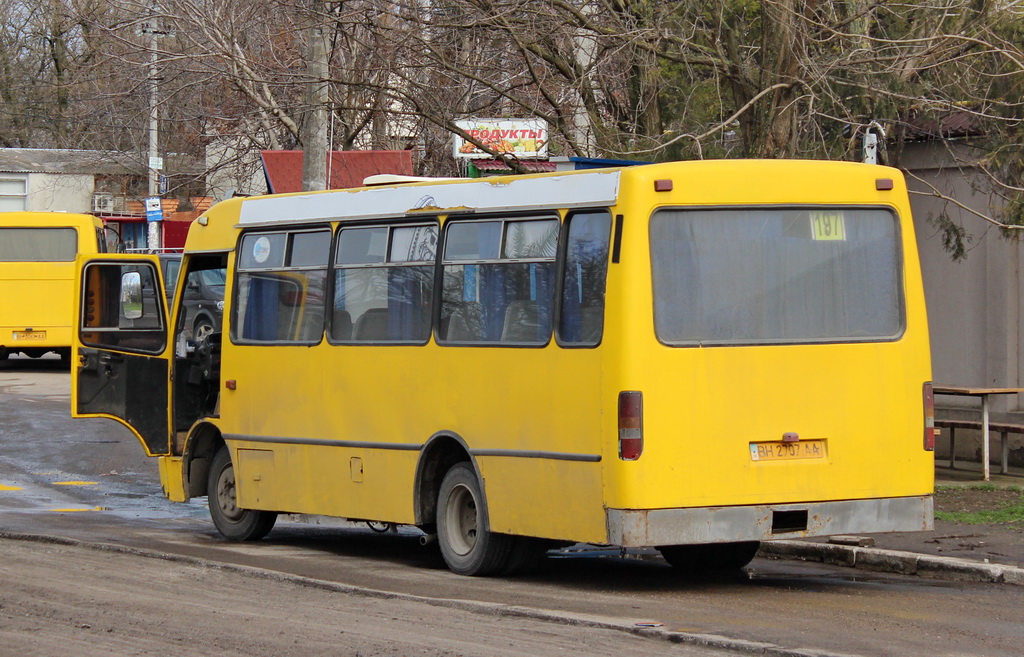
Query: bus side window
{"points": [[499, 281], [581, 321], [384, 284], [281, 285]]}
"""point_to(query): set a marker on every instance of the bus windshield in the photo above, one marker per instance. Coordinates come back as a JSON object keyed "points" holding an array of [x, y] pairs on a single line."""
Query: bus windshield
{"points": [[772, 275]]}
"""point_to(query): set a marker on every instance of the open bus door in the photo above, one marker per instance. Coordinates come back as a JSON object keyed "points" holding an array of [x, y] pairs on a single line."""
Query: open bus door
{"points": [[122, 346]]}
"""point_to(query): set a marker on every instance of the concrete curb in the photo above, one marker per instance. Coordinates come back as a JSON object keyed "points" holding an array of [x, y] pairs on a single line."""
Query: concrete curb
{"points": [[893, 561]]}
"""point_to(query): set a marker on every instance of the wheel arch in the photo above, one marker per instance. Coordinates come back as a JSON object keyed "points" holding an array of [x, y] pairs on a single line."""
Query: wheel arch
{"points": [[441, 451], [203, 442]]}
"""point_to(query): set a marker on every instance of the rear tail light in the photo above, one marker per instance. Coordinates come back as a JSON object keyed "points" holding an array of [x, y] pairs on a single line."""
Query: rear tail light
{"points": [[929, 418], [631, 425]]}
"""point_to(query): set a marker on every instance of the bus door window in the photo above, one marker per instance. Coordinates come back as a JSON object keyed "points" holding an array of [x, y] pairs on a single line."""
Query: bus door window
{"points": [[499, 280], [581, 318], [121, 310], [384, 284], [280, 290]]}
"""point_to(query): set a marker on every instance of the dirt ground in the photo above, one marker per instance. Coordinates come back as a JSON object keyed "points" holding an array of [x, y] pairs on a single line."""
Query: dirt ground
{"points": [[1002, 543], [72, 600]]}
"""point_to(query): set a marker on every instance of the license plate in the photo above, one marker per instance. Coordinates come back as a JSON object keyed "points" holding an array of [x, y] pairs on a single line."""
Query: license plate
{"points": [[24, 336], [775, 451]]}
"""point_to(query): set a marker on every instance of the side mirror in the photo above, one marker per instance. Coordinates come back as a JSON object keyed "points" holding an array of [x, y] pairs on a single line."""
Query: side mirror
{"points": [[131, 295]]}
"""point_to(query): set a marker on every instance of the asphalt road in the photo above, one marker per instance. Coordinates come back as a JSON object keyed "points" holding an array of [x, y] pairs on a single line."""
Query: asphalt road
{"points": [[165, 582]]}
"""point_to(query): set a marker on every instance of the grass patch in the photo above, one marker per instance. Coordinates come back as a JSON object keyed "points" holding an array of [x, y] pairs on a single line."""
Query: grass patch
{"points": [[979, 504], [1004, 516], [980, 487]]}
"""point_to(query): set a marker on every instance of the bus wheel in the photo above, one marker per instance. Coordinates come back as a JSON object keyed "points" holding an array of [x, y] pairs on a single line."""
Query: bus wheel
{"points": [[710, 556], [233, 523], [466, 545]]}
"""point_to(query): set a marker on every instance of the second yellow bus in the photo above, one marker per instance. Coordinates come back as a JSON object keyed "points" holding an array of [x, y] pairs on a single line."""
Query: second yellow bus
{"points": [[692, 356], [37, 278]]}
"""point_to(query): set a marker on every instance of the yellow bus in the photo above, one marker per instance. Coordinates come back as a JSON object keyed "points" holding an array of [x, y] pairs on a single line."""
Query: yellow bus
{"points": [[691, 356], [37, 278]]}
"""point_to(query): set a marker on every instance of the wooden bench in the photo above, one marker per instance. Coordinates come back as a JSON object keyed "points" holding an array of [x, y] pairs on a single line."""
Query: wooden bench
{"points": [[1004, 429]]}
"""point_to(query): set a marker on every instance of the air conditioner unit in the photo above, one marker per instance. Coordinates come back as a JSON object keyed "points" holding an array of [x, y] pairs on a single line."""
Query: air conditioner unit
{"points": [[103, 203]]}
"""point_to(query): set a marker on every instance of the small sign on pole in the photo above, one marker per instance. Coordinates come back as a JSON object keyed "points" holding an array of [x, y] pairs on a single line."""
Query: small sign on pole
{"points": [[154, 212], [156, 163]]}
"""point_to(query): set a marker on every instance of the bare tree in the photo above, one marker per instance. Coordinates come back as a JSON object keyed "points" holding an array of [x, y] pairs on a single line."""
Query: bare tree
{"points": [[640, 79], [775, 78]]}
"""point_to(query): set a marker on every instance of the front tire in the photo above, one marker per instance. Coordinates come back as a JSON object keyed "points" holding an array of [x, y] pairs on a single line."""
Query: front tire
{"points": [[467, 546], [233, 523], [710, 557]]}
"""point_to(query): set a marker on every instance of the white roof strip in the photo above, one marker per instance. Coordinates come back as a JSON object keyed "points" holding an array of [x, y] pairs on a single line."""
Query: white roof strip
{"points": [[595, 189]]}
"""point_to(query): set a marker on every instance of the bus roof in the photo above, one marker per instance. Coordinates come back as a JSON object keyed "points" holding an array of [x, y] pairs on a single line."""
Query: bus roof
{"points": [[588, 189], [700, 181], [48, 219]]}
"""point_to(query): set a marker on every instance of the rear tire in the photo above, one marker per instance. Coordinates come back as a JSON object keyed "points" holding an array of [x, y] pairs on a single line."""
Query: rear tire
{"points": [[233, 523], [467, 546], [710, 557]]}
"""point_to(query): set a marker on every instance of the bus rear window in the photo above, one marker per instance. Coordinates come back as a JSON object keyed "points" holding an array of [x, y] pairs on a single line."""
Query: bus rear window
{"points": [[773, 275], [38, 244]]}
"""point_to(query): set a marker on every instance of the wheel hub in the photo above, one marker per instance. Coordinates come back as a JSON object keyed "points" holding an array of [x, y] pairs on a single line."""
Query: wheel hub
{"points": [[462, 519], [226, 496]]}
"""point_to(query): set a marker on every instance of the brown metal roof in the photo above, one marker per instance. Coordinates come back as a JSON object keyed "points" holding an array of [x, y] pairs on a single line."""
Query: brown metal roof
{"points": [[945, 125], [533, 166], [346, 168], [55, 160]]}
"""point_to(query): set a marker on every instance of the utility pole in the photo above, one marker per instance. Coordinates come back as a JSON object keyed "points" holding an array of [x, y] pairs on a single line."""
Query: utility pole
{"points": [[314, 127], [155, 163]]}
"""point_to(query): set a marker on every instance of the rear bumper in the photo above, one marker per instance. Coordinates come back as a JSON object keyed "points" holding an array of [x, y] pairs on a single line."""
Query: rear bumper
{"points": [[651, 527]]}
